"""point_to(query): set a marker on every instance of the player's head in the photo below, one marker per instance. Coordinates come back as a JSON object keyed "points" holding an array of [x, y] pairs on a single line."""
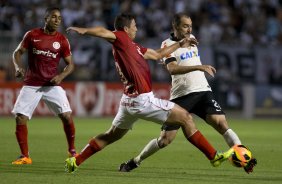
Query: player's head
{"points": [[126, 22], [52, 18], [182, 25]]}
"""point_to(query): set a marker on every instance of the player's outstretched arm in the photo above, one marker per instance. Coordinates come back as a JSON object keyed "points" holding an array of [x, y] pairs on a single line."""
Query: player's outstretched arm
{"points": [[161, 53], [98, 31], [175, 69]]}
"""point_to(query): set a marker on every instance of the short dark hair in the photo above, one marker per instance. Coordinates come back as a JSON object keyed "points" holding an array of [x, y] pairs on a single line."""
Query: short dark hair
{"points": [[50, 9], [177, 18], [123, 20]]}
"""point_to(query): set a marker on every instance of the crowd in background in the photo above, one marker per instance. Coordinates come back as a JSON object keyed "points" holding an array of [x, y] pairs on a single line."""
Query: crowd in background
{"points": [[239, 22], [234, 21]]}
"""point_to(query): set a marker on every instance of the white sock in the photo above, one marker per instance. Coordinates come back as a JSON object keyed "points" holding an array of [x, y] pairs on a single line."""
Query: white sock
{"points": [[231, 138], [151, 148]]}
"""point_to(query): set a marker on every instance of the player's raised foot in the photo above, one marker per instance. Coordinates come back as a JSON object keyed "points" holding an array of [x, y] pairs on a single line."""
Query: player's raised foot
{"points": [[128, 166], [250, 166], [221, 157], [22, 160], [70, 165]]}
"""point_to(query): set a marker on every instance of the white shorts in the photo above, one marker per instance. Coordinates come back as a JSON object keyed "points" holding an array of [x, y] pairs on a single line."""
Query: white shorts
{"points": [[145, 106], [54, 97]]}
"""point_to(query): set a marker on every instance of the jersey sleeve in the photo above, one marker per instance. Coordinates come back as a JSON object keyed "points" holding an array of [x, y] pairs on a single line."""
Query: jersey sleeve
{"points": [[169, 58], [66, 51], [118, 39], [142, 49], [26, 40]]}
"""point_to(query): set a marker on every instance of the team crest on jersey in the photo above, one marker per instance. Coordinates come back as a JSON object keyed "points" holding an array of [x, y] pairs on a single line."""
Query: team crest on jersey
{"points": [[56, 45]]}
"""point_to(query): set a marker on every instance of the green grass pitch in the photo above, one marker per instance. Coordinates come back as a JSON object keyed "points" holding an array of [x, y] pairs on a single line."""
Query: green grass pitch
{"points": [[178, 163]]}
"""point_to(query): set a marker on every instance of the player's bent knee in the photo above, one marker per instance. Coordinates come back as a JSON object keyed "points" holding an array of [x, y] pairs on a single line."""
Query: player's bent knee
{"points": [[189, 116], [108, 138], [21, 119], [66, 116], [112, 135], [164, 142], [186, 117], [180, 116]]}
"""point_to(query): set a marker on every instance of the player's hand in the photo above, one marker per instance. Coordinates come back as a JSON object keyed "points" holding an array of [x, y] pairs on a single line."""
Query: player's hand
{"points": [[56, 80], [209, 69], [19, 73], [186, 42], [76, 29]]}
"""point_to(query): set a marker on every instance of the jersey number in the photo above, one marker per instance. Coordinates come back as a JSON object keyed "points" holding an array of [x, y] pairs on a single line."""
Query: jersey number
{"points": [[216, 105]]}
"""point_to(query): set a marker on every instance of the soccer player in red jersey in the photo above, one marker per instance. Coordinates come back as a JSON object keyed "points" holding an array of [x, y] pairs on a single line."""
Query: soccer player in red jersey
{"points": [[45, 47], [138, 101]]}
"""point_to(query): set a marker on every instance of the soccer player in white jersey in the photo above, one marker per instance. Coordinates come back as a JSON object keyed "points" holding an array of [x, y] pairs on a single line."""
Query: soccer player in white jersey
{"points": [[190, 90]]}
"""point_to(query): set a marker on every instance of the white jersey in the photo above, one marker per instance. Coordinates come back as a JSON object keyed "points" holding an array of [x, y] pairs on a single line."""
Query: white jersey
{"points": [[184, 84]]}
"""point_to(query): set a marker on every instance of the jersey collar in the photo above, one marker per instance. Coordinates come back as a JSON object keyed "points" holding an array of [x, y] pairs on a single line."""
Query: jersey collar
{"points": [[173, 38]]}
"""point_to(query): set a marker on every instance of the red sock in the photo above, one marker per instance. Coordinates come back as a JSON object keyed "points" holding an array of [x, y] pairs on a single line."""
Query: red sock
{"points": [[70, 134], [21, 134], [89, 150], [198, 140]]}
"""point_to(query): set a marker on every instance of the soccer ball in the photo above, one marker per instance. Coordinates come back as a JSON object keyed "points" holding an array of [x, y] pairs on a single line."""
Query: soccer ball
{"points": [[241, 156]]}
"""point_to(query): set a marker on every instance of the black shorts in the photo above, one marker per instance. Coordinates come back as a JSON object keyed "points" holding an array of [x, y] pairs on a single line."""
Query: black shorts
{"points": [[199, 103]]}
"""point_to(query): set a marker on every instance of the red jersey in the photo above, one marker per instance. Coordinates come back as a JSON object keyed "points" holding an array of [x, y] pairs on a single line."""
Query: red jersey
{"points": [[44, 54], [133, 69]]}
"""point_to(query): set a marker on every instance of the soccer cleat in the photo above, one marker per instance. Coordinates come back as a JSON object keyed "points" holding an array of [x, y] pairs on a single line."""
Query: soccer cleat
{"points": [[221, 157], [70, 165], [128, 166], [22, 160], [250, 165]]}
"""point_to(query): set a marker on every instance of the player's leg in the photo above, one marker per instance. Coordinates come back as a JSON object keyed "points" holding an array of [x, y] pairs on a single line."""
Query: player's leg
{"points": [[22, 139], [219, 123], [56, 99], [23, 109], [208, 109], [122, 122], [181, 117], [69, 129], [151, 148], [95, 145], [120, 126], [211, 111], [166, 137], [154, 145], [100, 142]]}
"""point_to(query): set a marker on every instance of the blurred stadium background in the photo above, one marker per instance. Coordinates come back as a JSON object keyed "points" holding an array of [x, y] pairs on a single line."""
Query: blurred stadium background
{"points": [[241, 38]]}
